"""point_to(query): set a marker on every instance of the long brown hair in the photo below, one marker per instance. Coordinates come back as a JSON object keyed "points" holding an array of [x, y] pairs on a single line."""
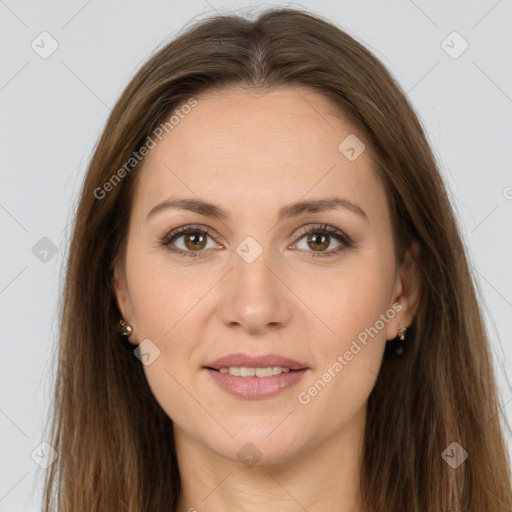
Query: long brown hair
{"points": [[115, 442]]}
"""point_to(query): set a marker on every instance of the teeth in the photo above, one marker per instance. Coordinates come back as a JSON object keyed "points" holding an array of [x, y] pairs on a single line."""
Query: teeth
{"points": [[242, 371]]}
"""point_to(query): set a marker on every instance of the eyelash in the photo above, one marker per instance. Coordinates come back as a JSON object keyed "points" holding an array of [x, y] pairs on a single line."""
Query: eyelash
{"points": [[323, 229]]}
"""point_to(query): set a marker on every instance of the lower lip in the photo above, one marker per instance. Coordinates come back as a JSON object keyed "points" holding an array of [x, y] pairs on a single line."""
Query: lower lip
{"points": [[256, 388]]}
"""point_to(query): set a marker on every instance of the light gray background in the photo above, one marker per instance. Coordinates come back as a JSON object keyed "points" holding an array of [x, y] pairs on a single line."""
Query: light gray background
{"points": [[52, 111]]}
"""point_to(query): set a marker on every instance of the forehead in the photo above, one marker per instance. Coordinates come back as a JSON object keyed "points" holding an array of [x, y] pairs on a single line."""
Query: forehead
{"points": [[239, 147]]}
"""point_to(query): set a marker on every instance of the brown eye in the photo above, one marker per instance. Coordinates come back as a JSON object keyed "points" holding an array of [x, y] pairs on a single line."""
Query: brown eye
{"points": [[318, 241], [189, 241], [195, 240]]}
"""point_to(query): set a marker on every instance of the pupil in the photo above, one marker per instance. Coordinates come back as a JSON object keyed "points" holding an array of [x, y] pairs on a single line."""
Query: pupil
{"points": [[318, 240], [195, 239]]}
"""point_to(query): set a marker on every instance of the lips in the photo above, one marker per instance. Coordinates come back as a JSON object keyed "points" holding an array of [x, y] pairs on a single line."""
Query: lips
{"points": [[256, 388], [259, 361]]}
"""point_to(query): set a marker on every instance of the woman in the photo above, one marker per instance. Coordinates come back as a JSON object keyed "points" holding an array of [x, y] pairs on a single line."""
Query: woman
{"points": [[267, 302]]}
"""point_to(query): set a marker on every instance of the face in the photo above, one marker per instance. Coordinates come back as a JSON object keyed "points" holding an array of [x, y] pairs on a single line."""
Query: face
{"points": [[253, 276]]}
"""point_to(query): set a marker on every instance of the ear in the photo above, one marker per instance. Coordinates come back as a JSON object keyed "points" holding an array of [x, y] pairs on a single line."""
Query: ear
{"points": [[407, 291], [122, 296]]}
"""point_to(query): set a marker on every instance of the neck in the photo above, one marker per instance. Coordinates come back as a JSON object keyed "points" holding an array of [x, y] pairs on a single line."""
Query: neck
{"points": [[323, 476]]}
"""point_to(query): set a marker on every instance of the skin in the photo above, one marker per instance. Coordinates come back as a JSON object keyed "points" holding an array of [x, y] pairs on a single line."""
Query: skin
{"points": [[252, 153]]}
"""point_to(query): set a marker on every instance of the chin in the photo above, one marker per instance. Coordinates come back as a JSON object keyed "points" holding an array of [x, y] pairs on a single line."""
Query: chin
{"points": [[256, 441]]}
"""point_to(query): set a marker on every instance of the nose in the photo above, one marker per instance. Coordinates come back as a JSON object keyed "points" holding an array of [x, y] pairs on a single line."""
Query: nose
{"points": [[255, 297]]}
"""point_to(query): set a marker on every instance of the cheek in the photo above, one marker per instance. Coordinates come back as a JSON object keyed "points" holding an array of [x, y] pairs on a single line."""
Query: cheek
{"points": [[347, 369], [352, 300], [166, 313], [163, 295], [357, 312], [167, 303]]}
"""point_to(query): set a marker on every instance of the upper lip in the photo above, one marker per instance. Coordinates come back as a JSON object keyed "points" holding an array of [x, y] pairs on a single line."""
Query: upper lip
{"points": [[261, 361]]}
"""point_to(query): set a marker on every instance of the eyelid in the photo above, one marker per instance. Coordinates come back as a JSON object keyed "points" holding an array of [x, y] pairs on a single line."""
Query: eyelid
{"points": [[331, 230], [183, 230]]}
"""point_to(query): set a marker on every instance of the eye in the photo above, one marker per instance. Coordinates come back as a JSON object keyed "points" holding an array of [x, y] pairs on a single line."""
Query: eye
{"points": [[193, 243], [319, 238]]}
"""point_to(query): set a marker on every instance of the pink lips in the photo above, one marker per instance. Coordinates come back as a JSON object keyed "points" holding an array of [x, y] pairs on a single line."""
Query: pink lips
{"points": [[256, 388]]}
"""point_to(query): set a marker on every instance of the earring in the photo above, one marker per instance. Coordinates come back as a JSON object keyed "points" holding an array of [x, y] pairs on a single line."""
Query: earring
{"points": [[397, 345], [124, 329]]}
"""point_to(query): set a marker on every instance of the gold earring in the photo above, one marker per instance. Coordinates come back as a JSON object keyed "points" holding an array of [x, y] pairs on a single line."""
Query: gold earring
{"points": [[124, 329], [397, 345]]}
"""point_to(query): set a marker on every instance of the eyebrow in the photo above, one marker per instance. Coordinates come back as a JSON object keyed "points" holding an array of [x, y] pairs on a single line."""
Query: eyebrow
{"points": [[292, 210]]}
